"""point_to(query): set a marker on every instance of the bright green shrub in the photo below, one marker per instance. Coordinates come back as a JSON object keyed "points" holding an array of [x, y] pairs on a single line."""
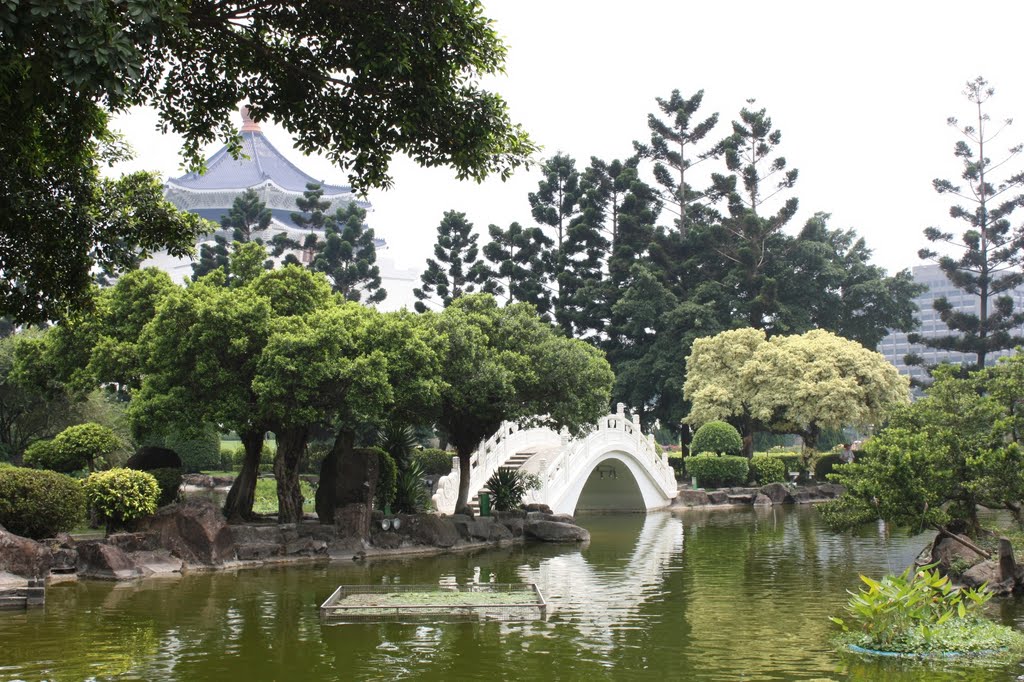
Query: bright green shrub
{"points": [[717, 471], [435, 462], [793, 462], [823, 466], [39, 504], [122, 495], [765, 469], [387, 481], [169, 480], [717, 437], [88, 444], [198, 447]]}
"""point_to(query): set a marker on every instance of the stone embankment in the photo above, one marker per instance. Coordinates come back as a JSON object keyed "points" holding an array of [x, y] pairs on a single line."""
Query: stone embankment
{"points": [[769, 495], [194, 535]]}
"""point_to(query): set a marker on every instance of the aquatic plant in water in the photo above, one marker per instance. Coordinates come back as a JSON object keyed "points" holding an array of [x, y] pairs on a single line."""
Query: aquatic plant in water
{"points": [[921, 613]]}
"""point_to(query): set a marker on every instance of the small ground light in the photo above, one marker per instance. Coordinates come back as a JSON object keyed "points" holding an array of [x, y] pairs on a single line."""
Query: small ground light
{"points": [[386, 524]]}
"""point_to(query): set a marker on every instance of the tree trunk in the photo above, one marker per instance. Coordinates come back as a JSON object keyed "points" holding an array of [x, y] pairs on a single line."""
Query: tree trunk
{"points": [[238, 506], [327, 488], [291, 445], [464, 473]]}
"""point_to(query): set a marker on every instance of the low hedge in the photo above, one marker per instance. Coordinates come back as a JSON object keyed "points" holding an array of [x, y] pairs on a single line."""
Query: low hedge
{"points": [[434, 462], [678, 463], [39, 503], [717, 471], [765, 469], [823, 466]]}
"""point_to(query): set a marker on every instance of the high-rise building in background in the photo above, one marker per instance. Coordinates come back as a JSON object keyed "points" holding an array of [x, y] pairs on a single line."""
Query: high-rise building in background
{"points": [[895, 346], [278, 182]]}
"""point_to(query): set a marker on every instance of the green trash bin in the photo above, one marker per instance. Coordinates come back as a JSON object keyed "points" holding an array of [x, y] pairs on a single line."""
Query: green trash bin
{"points": [[485, 504]]}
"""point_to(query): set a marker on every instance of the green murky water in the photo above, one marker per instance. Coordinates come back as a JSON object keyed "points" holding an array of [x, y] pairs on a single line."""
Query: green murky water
{"points": [[739, 595]]}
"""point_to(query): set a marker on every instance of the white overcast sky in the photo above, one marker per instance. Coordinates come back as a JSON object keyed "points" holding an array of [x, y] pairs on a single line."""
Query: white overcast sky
{"points": [[861, 92]]}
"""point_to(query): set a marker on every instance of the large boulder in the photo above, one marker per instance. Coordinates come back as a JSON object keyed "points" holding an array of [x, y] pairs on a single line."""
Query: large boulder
{"points": [[195, 531], [555, 531], [688, 497], [777, 493], [430, 530], [24, 557], [97, 559], [762, 500], [946, 551], [718, 497]]}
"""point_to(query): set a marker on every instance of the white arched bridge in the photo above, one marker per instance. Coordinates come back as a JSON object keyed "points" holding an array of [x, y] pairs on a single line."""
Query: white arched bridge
{"points": [[613, 467]]}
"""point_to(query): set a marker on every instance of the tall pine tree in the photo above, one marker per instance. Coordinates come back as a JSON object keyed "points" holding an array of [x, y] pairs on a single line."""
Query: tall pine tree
{"points": [[990, 251], [247, 214], [518, 266], [673, 149], [348, 256], [457, 269]]}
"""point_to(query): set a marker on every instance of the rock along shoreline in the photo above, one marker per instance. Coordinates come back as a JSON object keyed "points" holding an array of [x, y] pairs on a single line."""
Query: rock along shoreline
{"points": [[193, 535]]}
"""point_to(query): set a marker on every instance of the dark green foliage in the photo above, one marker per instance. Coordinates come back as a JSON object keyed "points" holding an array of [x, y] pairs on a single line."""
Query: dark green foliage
{"points": [[169, 481], [989, 249], [823, 466], [434, 462], [150, 457], [212, 257], [399, 441], [411, 496], [717, 471], [519, 270], [387, 482], [198, 447], [456, 270], [121, 495], [678, 463], [717, 437], [39, 504], [766, 469], [508, 487], [348, 255], [247, 215]]}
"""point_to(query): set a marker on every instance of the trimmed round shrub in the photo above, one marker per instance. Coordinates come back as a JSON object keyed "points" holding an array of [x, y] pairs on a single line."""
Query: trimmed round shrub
{"points": [[198, 448], [717, 437], [765, 469], [119, 496], [150, 457], [717, 471], [823, 466], [42, 455], [387, 482], [169, 480], [39, 504], [84, 445], [434, 462]]}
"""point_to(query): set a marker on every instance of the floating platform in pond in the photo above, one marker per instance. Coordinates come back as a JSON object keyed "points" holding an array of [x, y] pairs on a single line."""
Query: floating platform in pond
{"points": [[486, 601]]}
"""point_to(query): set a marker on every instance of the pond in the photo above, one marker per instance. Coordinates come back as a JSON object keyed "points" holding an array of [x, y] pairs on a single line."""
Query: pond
{"points": [[715, 595]]}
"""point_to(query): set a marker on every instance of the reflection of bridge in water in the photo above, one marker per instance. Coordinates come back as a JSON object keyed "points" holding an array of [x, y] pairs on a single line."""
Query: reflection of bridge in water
{"points": [[613, 467], [597, 598]]}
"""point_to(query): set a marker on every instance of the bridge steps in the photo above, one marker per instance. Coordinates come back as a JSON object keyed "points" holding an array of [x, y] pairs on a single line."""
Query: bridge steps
{"points": [[516, 461]]}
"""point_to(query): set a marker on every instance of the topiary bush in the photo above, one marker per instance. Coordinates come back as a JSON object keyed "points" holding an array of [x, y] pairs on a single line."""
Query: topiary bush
{"points": [[717, 437], [435, 462], [39, 504], [169, 480], [765, 469], [823, 466], [198, 448], [119, 496], [42, 455], [85, 445], [717, 471]]}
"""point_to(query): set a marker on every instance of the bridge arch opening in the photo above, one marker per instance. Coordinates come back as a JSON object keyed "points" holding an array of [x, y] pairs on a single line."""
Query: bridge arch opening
{"points": [[611, 486]]}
